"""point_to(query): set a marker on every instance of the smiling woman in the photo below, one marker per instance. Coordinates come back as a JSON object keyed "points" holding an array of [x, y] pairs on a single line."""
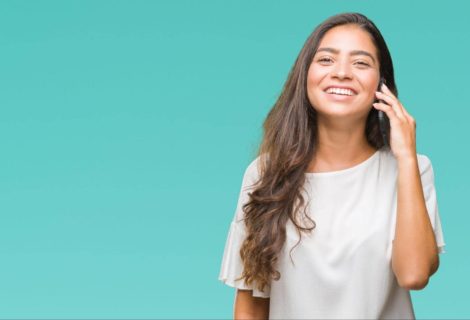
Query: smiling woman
{"points": [[370, 230]]}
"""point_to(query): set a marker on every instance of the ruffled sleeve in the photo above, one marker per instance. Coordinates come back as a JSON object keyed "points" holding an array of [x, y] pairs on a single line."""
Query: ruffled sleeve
{"points": [[232, 265], [429, 190]]}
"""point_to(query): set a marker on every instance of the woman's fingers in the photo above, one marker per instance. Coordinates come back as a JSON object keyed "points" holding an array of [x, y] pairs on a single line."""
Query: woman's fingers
{"points": [[391, 113], [402, 125], [401, 107], [393, 103]]}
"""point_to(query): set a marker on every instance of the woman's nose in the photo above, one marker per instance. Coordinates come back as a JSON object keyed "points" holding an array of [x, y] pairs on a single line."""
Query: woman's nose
{"points": [[342, 70]]}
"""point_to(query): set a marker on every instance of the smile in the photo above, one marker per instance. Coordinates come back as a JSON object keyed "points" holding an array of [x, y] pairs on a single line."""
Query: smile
{"points": [[340, 91], [340, 96]]}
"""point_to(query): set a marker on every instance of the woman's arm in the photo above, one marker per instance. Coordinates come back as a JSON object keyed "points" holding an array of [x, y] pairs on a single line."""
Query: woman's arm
{"points": [[415, 256], [249, 307]]}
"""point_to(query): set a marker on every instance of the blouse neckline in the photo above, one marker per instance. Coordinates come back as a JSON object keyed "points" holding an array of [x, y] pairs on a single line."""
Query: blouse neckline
{"points": [[344, 171]]}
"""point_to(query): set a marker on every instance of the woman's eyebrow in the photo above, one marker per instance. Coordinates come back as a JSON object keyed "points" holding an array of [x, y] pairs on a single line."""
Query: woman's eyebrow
{"points": [[352, 53]]}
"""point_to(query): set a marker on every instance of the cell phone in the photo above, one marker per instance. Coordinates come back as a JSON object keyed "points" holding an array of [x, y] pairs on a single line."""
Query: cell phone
{"points": [[383, 123]]}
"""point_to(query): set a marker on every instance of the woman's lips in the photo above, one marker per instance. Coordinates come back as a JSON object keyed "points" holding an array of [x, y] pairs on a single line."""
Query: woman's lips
{"points": [[339, 97]]}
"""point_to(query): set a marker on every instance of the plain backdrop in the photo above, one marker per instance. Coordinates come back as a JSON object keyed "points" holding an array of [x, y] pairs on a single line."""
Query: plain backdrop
{"points": [[126, 126]]}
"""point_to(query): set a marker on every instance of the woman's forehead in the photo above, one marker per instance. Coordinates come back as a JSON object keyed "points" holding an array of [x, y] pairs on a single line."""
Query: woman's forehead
{"points": [[347, 39]]}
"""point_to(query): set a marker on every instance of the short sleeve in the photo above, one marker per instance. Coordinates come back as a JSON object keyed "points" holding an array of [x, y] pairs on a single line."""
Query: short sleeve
{"points": [[232, 265], [429, 190]]}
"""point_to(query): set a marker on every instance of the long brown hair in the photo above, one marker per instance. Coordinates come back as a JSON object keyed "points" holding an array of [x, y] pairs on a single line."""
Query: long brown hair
{"points": [[288, 145]]}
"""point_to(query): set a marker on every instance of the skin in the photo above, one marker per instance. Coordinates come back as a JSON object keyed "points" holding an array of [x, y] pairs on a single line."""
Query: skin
{"points": [[342, 144], [249, 307]]}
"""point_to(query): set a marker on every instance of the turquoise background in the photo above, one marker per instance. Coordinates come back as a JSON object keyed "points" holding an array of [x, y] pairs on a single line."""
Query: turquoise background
{"points": [[126, 127]]}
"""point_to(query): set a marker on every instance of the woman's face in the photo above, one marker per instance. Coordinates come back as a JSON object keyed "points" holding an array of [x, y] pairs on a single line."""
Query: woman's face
{"points": [[346, 57]]}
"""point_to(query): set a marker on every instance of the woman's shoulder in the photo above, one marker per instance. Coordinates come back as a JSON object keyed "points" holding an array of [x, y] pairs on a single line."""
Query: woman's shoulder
{"points": [[424, 162], [252, 171]]}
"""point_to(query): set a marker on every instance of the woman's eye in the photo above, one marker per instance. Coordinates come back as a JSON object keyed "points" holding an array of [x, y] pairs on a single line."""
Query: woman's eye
{"points": [[329, 60]]}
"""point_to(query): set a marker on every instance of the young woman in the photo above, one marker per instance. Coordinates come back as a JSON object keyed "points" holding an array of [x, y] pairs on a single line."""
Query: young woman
{"points": [[334, 218]]}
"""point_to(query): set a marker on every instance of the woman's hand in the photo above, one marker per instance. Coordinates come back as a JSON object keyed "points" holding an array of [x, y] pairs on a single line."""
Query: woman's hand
{"points": [[402, 125]]}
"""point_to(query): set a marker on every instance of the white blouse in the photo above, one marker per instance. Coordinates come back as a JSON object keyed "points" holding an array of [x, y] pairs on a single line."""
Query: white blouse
{"points": [[342, 269]]}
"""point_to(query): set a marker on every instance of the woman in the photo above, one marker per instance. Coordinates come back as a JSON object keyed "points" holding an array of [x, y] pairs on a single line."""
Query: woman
{"points": [[334, 219]]}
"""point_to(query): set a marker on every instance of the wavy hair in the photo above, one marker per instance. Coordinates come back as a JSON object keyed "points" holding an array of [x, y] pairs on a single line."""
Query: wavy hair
{"points": [[286, 150]]}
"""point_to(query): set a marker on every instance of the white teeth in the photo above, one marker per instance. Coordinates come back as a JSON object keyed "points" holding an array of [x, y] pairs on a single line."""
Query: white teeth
{"points": [[340, 91]]}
